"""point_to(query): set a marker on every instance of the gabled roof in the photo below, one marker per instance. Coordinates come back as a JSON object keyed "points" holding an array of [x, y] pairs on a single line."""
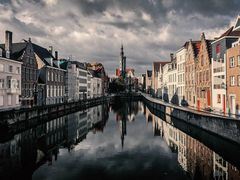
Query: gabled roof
{"points": [[42, 53], [17, 49], [156, 65], [230, 32], [209, 48], [237, 24], [196, 46]]}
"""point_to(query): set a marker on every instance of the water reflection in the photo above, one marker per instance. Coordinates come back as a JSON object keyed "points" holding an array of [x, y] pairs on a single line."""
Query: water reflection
{"points": [[122, 141], [196, 159]]}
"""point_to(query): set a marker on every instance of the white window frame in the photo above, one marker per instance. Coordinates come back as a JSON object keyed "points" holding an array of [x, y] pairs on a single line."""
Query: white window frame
{"points": [[232, 80], [9, 99], [1, 100], [1, 67], [231, 63]]}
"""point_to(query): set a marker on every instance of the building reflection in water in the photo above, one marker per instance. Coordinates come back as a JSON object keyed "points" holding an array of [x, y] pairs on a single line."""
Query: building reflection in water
{"points": [[126, 111], [25, 152], [196, 159]]}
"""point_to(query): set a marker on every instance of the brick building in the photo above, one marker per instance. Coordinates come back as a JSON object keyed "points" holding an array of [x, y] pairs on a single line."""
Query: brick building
{"points": [[203, 74], [233, 78], [190, 72], [23, 52]]}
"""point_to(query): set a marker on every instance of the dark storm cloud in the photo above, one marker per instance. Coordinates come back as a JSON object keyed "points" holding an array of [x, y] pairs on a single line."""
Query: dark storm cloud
{"points": [[93, 30]]}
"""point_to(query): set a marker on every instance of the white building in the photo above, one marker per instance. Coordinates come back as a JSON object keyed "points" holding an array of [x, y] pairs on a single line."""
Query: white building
{"points": [[181, 57], [170, 91], [157, 78], [75, 80], [219, 47], [165, 82], [82, 74], [96, 85], [10, 83]]}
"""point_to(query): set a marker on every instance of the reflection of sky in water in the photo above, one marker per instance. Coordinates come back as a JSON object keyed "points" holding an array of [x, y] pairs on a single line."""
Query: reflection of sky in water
{"points": [[101, 155]]}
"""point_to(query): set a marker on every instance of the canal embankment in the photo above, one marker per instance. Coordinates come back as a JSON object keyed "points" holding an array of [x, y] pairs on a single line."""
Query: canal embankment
{"points": [[225, 127], [33, 116]]}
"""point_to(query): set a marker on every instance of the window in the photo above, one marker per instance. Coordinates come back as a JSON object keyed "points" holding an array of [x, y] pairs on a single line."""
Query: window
{"points": [[17, 99], [1, 67], [18, 84], [1, 100], [232, 81], [219, 98], [9, 85], [238, 57], [10, 68], [239, 80], [231, 63], [18, 70], [1, 83], [9, 100], [48, 76]]}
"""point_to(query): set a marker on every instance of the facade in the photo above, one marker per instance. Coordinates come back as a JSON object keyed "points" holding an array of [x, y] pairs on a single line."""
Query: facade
{"points": [[24, 53], [142, 82], [219, 48], [203, 74], [190, 72], [75, 80], [99, 70], [82, 73], [96, 85], [10, 83], [89, 88], [51, 75], [181, 58], [165, 82], [172, 81], [233, 78], [157, 78], [148, 81]]}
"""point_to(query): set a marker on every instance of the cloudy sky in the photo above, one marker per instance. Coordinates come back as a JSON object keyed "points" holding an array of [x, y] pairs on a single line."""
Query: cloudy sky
{"points": [[93, 30]]}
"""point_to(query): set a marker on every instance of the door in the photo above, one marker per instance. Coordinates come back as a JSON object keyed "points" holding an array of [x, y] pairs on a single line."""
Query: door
{"points": [[208, 98], [233, 105], [198, 105], [224, 104]]}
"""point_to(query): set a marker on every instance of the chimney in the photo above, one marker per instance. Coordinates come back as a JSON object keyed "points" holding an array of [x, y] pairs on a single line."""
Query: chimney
{"points": [[56, 58], [8, 43], [171, 56], [50, 49], [56, 55]]}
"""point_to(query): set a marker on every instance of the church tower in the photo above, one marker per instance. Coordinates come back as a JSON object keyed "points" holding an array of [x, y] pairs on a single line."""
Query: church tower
{"points": [[122, 64]]}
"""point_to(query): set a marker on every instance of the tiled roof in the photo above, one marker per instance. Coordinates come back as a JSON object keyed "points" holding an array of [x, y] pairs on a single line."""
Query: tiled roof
{"points": [[17, 49], [43, 53], [196, 47], [230, 32], [209, 47], [156, 65]]}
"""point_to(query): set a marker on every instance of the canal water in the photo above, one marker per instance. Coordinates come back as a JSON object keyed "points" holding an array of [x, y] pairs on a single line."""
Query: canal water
{"points": [[124, 140]]}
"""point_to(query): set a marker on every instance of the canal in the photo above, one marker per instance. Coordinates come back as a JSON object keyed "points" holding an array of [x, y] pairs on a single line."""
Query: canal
{"points": [[124, 140]]}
